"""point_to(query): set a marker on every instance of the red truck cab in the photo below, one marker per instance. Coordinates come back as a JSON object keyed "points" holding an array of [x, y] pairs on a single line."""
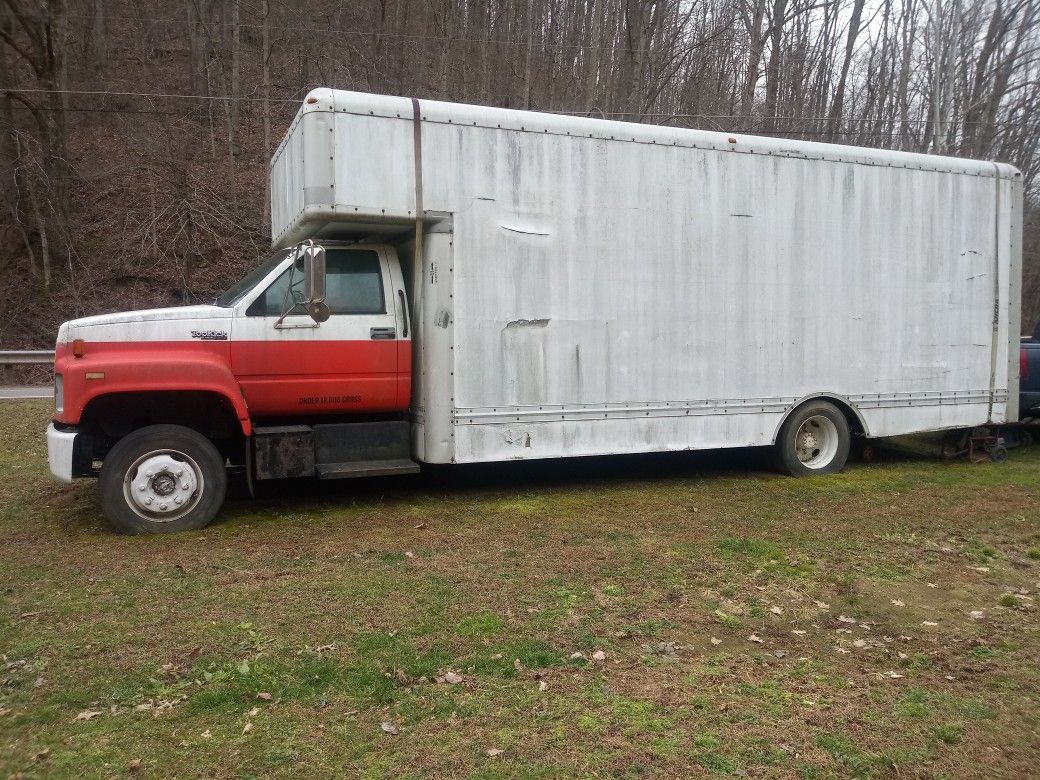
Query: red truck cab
{"points": [[302, 368]]}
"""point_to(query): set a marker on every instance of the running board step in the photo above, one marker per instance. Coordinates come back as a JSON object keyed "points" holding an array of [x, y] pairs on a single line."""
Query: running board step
{"points": [[365, 468]]}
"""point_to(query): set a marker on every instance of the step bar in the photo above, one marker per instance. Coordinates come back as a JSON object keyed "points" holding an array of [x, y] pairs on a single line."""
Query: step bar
{"points": [[365, 468]]}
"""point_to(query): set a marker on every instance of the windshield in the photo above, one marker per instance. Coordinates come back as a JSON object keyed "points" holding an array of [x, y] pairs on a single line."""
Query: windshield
{"points": [[251, 280]]}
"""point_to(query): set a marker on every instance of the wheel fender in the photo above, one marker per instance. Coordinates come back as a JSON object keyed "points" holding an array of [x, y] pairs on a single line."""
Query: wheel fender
{"points": [[842, 401], [134, 372]]}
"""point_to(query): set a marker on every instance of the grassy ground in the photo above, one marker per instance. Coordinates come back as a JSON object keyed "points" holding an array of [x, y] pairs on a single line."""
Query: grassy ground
{"points": [[650, 617]]}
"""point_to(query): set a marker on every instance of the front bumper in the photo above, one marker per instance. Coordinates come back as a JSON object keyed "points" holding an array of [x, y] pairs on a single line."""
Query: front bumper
{"points": [[67, 453]]}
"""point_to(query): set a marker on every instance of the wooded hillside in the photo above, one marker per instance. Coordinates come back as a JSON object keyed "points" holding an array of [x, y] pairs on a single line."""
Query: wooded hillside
{"points": [[134, 136]]}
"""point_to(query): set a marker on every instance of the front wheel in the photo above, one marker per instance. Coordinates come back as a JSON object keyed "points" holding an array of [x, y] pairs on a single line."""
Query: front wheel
{"points": [[815, 439], [162, 478]]}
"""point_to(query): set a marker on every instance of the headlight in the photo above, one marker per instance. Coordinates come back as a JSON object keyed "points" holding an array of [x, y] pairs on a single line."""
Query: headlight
{"points": [[59, 394]]}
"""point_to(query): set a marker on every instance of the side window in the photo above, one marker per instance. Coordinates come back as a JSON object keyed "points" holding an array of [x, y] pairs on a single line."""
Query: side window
{"points": [[353, 285], [353, 282], [277, 298]]}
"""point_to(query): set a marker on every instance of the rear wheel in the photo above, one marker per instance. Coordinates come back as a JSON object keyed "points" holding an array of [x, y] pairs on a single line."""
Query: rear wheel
{"points": [[162, 478], [815, 439]]}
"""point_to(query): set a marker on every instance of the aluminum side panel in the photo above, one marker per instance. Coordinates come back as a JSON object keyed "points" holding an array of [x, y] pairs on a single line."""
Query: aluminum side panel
{"points": [[672, 267]]}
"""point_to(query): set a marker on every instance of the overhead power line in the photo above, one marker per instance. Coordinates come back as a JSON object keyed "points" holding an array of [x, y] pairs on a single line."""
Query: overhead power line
{"points": [[164, 95], [594, 114], [764, 132]]}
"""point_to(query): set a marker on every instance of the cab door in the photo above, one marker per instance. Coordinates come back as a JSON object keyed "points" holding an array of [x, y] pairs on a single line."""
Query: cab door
{"points": [[349, 363]]}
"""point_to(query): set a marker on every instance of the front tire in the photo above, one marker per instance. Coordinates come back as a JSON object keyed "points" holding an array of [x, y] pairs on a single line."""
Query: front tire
{"points": [[162, 478], [815, 439]]}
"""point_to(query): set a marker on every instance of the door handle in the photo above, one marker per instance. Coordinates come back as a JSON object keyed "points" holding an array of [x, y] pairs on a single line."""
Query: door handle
{"points": [[382, 333]]}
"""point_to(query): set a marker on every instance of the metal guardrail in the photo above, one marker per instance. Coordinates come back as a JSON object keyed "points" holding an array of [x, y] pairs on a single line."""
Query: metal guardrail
{"points": [[22, 357], [25, 357]]}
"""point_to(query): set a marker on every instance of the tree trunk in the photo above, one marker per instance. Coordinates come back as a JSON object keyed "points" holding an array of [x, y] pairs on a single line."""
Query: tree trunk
{"points": [[756, 47], [529, 54], [838, 102], [776, 38]]}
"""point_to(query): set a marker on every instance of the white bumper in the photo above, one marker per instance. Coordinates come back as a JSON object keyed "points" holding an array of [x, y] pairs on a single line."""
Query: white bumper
{"points": [[60, 447]]}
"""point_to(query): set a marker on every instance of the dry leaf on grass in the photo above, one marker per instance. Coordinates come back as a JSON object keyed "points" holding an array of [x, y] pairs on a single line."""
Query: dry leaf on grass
{"points": [[389, 728], [88, 714]]}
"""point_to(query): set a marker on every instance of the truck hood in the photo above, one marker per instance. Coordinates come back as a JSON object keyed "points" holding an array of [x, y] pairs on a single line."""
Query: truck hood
{"points": [[175, 323]]}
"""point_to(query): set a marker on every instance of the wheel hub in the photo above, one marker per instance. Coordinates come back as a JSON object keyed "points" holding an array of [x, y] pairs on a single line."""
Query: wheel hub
{"points": [[163, 485], [816, 442], [807, 442]]}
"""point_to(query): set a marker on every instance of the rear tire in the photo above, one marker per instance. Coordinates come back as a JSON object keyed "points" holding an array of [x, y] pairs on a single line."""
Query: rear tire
{"points": [[160, 479], [815, 439]]}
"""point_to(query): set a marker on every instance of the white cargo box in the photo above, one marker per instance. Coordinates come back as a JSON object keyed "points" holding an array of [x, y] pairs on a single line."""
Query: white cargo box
{"points": [[593, 287]]}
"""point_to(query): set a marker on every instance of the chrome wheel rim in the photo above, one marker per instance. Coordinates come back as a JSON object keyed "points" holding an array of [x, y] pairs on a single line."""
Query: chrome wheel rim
{"points": [[163, 485], [816, 442]]}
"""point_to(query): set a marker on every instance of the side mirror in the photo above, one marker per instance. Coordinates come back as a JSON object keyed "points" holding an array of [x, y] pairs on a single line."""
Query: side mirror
{"points": [[318, 310], [312, 260], [314, 273], [314, 283]]}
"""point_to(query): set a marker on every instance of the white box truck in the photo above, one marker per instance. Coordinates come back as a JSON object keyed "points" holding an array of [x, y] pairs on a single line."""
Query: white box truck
{"points": [[462, 284]]}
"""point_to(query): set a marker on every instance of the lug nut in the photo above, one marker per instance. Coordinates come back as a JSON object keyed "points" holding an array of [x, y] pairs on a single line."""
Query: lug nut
{"points": [[178, 500], [162, 506], [148, 500]]}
